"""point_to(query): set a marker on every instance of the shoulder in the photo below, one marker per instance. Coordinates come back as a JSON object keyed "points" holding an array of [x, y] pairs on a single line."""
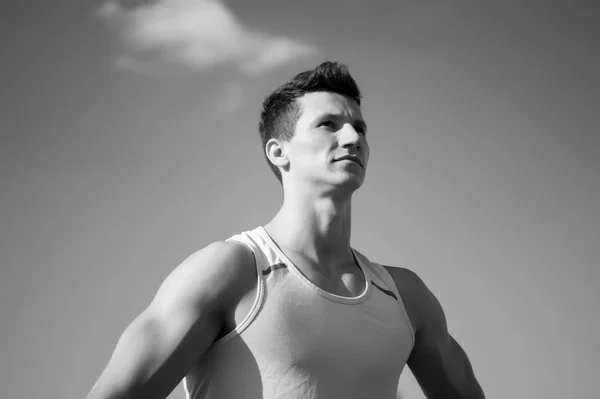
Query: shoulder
{"points": [[406, 280], [219, 273], [422, 306], [219, 260]]}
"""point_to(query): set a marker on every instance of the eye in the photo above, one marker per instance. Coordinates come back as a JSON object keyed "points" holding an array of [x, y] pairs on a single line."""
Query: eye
{"points": [[360, 130], [328, 124]]}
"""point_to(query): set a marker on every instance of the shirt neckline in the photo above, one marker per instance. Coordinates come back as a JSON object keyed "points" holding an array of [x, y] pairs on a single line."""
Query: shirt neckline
{"points": [[306, 281]]}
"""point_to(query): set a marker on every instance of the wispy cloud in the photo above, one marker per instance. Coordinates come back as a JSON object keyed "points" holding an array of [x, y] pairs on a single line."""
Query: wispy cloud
{"points": [[197, 34]]}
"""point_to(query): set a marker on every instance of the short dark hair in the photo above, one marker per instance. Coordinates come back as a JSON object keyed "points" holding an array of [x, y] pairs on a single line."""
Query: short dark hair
{"points": [[281, 112]]}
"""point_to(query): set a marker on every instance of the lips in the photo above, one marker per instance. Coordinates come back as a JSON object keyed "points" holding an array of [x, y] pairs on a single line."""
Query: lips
{"points": [[351, 158]]}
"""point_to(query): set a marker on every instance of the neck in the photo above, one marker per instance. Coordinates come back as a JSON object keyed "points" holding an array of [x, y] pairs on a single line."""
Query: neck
{"points": [[317, 228]]}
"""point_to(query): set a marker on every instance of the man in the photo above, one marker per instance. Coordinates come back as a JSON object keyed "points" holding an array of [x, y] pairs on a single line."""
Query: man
{"points": [[290, 310]]}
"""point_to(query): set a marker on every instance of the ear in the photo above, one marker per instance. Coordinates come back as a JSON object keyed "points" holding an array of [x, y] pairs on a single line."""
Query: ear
{"points": [[275, 151]]}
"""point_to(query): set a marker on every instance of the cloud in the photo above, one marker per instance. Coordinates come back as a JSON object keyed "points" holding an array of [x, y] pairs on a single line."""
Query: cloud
{"points": [[196, 34]]}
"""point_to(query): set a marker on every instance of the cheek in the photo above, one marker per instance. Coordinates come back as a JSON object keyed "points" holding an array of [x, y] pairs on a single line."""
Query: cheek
{"points": [[302, 155], [312, 147]]}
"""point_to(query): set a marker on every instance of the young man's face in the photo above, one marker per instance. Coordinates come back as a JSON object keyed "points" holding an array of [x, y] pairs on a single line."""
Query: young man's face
{"points": [[330, 128]]}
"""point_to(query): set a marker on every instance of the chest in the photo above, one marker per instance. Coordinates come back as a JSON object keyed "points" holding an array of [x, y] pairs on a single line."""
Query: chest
{"points": [[299, 329]]}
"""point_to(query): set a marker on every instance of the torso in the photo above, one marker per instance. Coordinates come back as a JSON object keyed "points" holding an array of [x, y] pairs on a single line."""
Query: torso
{"points": [[305, 330]]}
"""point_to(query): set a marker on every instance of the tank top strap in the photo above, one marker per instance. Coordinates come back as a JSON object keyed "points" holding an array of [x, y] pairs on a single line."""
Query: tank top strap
{"points": [[264, 257], [382, 276], [379, 276]]}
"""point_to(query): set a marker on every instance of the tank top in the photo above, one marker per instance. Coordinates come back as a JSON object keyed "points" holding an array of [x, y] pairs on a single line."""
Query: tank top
{"points": [[300, 341]]}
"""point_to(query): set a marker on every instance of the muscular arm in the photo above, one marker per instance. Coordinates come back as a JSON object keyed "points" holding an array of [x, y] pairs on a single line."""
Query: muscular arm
{"points": [[437, 361], [186, 316]]}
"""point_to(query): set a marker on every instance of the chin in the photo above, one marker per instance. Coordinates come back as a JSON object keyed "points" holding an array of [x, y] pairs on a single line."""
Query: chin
{"points": [[350, 183]]}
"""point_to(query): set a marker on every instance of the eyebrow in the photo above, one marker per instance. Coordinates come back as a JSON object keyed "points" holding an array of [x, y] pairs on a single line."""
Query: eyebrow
{"points": [[356, 122]]}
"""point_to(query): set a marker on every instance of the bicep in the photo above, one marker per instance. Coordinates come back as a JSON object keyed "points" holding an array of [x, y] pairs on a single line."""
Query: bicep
{"points": [[443, 369], [154, 352], [158, 348], [437, 361]]}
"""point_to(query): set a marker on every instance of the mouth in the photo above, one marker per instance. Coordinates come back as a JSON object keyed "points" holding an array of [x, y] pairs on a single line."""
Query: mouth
{"points": [[351, 158]]}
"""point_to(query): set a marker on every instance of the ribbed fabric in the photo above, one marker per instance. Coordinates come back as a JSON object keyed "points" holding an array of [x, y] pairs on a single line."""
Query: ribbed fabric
{"points": [[299, 341]]}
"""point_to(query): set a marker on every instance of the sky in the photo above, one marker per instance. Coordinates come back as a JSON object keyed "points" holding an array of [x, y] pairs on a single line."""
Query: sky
{"points": [[128, 140]]}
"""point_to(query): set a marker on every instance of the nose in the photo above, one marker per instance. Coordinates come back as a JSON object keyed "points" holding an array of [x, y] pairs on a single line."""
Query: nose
{"points": [[350, 137]]}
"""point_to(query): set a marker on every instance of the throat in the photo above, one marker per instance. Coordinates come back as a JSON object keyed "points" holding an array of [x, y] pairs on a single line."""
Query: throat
{"points": [[319, 228]]}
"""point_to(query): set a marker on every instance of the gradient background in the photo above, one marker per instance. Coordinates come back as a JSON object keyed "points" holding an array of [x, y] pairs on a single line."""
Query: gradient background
{"points": [[484, 175]]}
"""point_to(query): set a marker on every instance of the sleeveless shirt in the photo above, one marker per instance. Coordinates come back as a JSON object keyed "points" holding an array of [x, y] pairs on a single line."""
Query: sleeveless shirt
{"points": [[300, 341]]}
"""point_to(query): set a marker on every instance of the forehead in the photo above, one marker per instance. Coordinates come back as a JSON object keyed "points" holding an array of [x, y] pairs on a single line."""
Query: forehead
{"points": [[313, 105]]}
